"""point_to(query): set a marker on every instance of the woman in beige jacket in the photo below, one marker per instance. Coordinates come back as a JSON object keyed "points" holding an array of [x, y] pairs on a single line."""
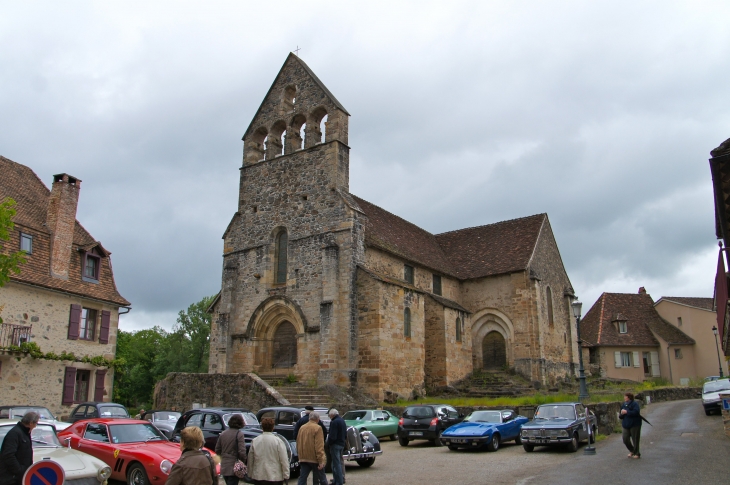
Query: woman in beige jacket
{"points": [[268, 462]]}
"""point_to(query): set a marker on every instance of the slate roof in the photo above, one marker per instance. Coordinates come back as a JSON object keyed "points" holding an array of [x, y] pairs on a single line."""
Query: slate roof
{"points": [[702, 303], [31, 195], [503, 247], [597, 329]]}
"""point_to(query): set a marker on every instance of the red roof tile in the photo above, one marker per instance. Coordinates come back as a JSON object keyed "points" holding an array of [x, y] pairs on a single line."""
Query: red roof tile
{"points": [[697, 302]]}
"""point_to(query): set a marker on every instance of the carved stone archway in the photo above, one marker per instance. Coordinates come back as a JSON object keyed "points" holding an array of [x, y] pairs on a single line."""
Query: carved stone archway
{"points": [[486, 322], [276, 328]]}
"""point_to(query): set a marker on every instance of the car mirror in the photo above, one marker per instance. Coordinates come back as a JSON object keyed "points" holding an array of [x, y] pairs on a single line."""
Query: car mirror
{"points": [[68, 442]]}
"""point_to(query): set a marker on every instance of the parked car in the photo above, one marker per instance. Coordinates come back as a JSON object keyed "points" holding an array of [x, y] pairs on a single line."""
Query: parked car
{"points": [[90, 410], [136, 451], [711, 395], [163, 420], [485, 429], [426, 422], [17, 412], [285, 417], [378, 422], [362, 448], [78, 467], [559, 424]]}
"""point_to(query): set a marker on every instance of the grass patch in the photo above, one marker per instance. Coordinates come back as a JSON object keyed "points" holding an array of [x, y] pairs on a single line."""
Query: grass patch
{"points": [[532, 400], [600, 437]]}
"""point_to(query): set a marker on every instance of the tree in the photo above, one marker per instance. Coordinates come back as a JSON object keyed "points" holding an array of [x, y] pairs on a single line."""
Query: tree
{"points": [[9, 263], [194, 327]]}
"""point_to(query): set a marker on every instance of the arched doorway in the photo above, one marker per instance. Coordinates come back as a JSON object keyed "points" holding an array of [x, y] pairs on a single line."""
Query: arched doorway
{"points": [[494, 351], [285, 346]]}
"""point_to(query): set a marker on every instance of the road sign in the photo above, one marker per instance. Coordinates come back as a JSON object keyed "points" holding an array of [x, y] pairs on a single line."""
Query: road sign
{"points": [[726, 403], [44, 472]]}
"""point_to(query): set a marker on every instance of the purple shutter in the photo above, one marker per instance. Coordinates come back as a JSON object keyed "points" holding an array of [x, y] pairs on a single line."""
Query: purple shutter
{"points": [[73, 322], [104, 331], [69, 383], [99, 385]]}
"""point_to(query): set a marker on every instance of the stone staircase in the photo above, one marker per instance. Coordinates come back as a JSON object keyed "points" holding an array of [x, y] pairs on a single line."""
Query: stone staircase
{"points": [[494, 384], [298, 394]]}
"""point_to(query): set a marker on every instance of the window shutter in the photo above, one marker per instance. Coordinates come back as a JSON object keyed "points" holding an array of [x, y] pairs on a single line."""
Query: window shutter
{"points": [[655, 372], [104, 330], [636, 359], [69, 383], [617, 359], [99, 385], [73, 322]]}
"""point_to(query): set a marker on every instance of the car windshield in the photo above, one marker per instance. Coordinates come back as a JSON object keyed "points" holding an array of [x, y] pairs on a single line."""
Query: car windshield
{"points": [[716, 386], [134, 433], [113, 412], [484, 417], [419, 412], [20, 412], [171, 416], [249, 419], [355, 415], [42, 436], [551, 411]]}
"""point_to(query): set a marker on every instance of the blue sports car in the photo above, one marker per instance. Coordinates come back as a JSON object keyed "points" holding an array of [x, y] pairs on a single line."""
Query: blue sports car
{"points": [[484, 429]]}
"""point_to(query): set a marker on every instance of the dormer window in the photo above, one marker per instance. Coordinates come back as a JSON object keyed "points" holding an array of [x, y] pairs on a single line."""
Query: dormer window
{"points": [[622, 327], [91, 268], [26, 243]]}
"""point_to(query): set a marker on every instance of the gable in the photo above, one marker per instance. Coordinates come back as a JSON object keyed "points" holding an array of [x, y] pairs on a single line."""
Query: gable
{"points": [[597, 326]]}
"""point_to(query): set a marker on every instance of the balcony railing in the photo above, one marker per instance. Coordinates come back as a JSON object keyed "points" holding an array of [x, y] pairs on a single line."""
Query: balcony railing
{"points": [[14, 334]]}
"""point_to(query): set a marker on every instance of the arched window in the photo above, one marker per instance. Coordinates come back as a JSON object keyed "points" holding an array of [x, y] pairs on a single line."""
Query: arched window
{"points": [[549, 296], [282, 246], [323, 128], [290, 96], [296, 131], [458, 329], [407, 322]]}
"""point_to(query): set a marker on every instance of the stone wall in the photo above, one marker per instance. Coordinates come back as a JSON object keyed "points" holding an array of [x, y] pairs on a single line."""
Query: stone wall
{"points": [[178, 391]]}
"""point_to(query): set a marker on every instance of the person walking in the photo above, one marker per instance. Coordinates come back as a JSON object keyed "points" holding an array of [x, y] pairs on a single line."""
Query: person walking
{"points": [[231, 447], [336, 441], [630, 416], [16, 453], [305, 419], [193, 467], [310, 445], [268, 462]]}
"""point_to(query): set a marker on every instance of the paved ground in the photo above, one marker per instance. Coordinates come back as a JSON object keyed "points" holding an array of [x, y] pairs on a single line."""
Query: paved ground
{"points": [[684, 446]]}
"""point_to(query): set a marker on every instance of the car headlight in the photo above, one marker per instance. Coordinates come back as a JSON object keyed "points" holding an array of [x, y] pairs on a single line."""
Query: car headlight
{"points": [[524, 433], [103, 473], [563, 433], [166, 466]]}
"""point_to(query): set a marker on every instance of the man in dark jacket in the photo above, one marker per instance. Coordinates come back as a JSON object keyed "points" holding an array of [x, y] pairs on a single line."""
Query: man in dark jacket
{"points": [[336, 440], [630, 416], [16, 453]]}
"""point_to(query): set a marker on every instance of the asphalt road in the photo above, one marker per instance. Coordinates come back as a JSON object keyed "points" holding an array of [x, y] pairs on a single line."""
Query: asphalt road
{"points": [[684, 446]]}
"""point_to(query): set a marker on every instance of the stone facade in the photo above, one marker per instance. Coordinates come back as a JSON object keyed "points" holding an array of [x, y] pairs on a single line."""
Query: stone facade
{"points": [[367, 299]]}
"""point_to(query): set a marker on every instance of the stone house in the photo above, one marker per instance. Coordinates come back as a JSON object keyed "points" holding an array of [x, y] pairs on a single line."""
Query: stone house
{"points": [[325, 285], [628, 336], [64, 298]]}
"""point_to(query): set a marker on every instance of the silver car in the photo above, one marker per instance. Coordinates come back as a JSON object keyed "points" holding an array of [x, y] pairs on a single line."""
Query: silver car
{"points": [[165, 421]]}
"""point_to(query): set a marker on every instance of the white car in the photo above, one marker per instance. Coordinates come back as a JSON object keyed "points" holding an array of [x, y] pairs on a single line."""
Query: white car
{"points": [[711, 394], [80, 468], [17, 412]]}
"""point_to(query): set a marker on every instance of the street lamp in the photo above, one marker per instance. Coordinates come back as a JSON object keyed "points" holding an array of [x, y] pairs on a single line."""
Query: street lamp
{"points": [[577, 306], [719, 362]]}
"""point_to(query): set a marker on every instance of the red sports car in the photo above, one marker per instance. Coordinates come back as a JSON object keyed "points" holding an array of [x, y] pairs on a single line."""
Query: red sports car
{"points": [[137, 452]]}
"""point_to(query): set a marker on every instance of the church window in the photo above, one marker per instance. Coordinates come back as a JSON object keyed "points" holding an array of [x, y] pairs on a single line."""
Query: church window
{"points": [[290, 96], [283, 142], [408, 273], [458, 329], [297, 133], [265, 143], [407, 322], [437, 284], [318, 126], [323, 128], [303, 134], [282, 243], [549, 297]]}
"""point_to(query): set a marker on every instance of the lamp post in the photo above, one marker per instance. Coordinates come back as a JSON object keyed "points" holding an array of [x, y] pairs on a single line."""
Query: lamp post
{"points": [[719, 362], [577, 305]]}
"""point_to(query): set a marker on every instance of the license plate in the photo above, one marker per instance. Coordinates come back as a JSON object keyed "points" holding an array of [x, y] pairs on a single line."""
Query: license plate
{"points": [[543, 440], [459, 441], [416, 433]]}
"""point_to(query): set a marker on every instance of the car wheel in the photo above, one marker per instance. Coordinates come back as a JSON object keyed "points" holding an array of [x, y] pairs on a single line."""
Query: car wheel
{"points": [[136, 475], [528, 448], [453, 447], [573, 446], [518, 440], [592, 437], [437, 441], [393, 437], [403, 441], [493, 444], [708, 412], [366, 462]]}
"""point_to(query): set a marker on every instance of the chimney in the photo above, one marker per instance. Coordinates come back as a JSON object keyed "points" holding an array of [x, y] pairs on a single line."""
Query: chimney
{"points": [[60, 220], [642, 291]]}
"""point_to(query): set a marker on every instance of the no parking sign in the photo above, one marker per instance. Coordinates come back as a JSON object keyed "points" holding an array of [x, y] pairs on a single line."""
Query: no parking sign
{"points": [[44, 472]]}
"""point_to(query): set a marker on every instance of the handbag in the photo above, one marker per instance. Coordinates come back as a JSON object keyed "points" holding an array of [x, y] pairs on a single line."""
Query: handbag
{"points": [[239, 468]]}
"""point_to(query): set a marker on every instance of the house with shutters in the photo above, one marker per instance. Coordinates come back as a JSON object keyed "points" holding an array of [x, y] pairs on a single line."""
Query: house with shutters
{"points": [[625, 337], [64, 299]]}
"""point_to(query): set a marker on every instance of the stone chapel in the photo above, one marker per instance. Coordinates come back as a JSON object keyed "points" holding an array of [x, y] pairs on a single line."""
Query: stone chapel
{"points": [[322, 284]]}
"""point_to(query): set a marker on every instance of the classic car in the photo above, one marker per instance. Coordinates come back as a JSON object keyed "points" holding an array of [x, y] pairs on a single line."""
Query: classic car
{"points": [[79, 468], [90, 410], [711, 394], [165, 421], [426, 422], [484, 429], [136, 451], [285, 417], [561, 424], [362, 447], [378, 422], [17, 412]]}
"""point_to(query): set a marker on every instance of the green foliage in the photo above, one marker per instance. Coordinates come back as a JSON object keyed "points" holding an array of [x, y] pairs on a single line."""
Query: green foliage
{"points": [[32, 349], [291, 378], [9, 263]]}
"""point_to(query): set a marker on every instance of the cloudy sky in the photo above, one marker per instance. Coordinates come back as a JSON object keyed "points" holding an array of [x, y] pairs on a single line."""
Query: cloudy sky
{"points": [[463, 114]]}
